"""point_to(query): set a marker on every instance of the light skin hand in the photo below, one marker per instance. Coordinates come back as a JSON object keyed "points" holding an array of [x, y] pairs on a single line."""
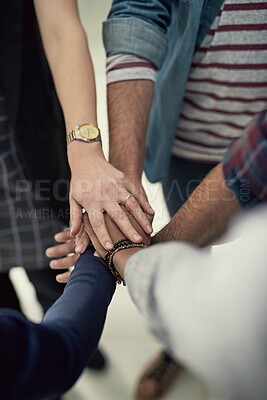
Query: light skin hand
{"points": [[65, 250], [102, 188], [203, 218], [66, 48]]}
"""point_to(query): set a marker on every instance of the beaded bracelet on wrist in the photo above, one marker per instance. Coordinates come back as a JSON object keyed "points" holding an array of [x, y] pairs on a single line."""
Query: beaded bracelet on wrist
{"points": [[122, 244]]}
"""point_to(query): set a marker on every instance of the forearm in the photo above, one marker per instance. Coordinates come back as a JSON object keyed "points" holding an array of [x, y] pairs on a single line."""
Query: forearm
{"points": [[90, 283], [74, 78], [66, 48], [129, 105], [181, 290], [205, 215], [240, 181], [67, 52], [121, 258], [44, 360]]}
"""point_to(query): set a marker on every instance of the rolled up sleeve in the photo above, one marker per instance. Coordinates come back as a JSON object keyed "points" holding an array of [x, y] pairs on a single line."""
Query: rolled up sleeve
{"points": [[138, 28]]}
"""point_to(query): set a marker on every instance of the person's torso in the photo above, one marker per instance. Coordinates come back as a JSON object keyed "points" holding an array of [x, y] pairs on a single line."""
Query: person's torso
{"points": [[227, 82], [191, 20]]}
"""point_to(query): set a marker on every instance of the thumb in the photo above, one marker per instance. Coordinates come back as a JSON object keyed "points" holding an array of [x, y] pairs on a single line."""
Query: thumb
{"points": [[75, 217]]}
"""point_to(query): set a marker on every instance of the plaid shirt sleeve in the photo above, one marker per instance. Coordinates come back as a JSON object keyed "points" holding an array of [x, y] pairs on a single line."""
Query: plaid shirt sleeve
{"points": [[245, 163]]}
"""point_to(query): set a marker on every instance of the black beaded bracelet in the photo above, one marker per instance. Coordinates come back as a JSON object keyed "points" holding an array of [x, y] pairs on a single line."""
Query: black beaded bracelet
{"points": [[122, 244]]}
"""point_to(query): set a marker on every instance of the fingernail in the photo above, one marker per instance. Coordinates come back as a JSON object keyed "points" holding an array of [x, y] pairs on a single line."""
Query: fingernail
{"points": [[48, 252], [80, 249], [151, 211], [57, 236], [53, 264], [137, 237], [149, 228], [108, 245]]}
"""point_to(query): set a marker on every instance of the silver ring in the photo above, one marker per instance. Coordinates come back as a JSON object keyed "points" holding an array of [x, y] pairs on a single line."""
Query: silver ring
{"points": [[127, 198]]}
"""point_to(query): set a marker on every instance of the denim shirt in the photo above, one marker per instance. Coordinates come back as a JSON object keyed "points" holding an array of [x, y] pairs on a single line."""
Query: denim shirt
{"points": [[165, 32]]}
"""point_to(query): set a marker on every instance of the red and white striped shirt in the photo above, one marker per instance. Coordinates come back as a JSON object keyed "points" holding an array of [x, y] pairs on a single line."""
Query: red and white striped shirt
{"points": [[227, 84]]}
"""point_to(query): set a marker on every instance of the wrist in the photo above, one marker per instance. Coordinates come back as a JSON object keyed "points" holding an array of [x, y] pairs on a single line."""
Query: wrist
{"points": [[79, 152], [121, 258], [155, 239], [120, 160], [88, 133], [117, 269]]}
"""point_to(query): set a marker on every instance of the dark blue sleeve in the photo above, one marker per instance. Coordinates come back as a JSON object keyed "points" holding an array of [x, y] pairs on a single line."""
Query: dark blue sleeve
{"points": [[44, 360]]}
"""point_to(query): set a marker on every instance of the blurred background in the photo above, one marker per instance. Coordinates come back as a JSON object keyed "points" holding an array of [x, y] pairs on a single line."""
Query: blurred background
{"points": [[126, 342]]}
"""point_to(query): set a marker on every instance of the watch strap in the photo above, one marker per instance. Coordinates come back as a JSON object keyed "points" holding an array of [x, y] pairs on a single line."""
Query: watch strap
{"points": [[75, 135], [71, 136]]}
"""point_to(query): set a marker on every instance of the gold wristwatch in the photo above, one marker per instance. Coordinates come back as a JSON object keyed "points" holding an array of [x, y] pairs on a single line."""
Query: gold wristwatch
{"points": [[85, 133]]}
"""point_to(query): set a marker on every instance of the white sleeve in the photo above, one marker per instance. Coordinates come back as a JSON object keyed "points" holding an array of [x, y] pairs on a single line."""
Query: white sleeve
{"points": [[209, 308]]}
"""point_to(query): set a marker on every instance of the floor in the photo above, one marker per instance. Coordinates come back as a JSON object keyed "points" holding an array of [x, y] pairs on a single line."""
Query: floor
{"points": [[126, 342]]}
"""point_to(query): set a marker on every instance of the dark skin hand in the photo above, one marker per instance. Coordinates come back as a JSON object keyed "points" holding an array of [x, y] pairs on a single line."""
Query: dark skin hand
{"points": [[66, 248], [121, 257]]}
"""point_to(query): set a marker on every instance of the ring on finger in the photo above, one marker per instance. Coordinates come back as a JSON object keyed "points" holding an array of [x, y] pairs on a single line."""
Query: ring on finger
{"points": [[127, 198]]}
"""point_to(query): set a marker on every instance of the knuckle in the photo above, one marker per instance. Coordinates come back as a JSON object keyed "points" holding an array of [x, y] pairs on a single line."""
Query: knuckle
{"points": [[70, 247], [120, 215], [140, 216], [97, 222], [72, 260], [121, 175], [63, 249], [66, 262], [63, 263], [107, 193], [133, 202]]}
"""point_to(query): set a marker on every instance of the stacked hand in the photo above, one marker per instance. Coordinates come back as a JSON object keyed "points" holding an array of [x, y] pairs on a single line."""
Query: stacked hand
{"points": [[63, 255], [100, 188], [66, 249]]}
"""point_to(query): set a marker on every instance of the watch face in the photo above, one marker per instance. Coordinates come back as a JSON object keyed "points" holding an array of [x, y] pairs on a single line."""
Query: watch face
{"points": [[88, 131]]}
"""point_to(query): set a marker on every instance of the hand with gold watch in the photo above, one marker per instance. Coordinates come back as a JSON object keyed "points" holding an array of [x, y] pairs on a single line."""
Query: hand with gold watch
{"points": [[96, 185], [98, 188]]}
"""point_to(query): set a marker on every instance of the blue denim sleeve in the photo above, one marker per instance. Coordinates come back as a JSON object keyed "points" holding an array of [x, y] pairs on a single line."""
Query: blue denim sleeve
{"points": [[155, 12], [139, 28]]}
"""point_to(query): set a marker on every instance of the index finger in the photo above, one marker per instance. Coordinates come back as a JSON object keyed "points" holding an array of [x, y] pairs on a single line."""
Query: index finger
{"points": [[90, 232], [63, 236]]}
